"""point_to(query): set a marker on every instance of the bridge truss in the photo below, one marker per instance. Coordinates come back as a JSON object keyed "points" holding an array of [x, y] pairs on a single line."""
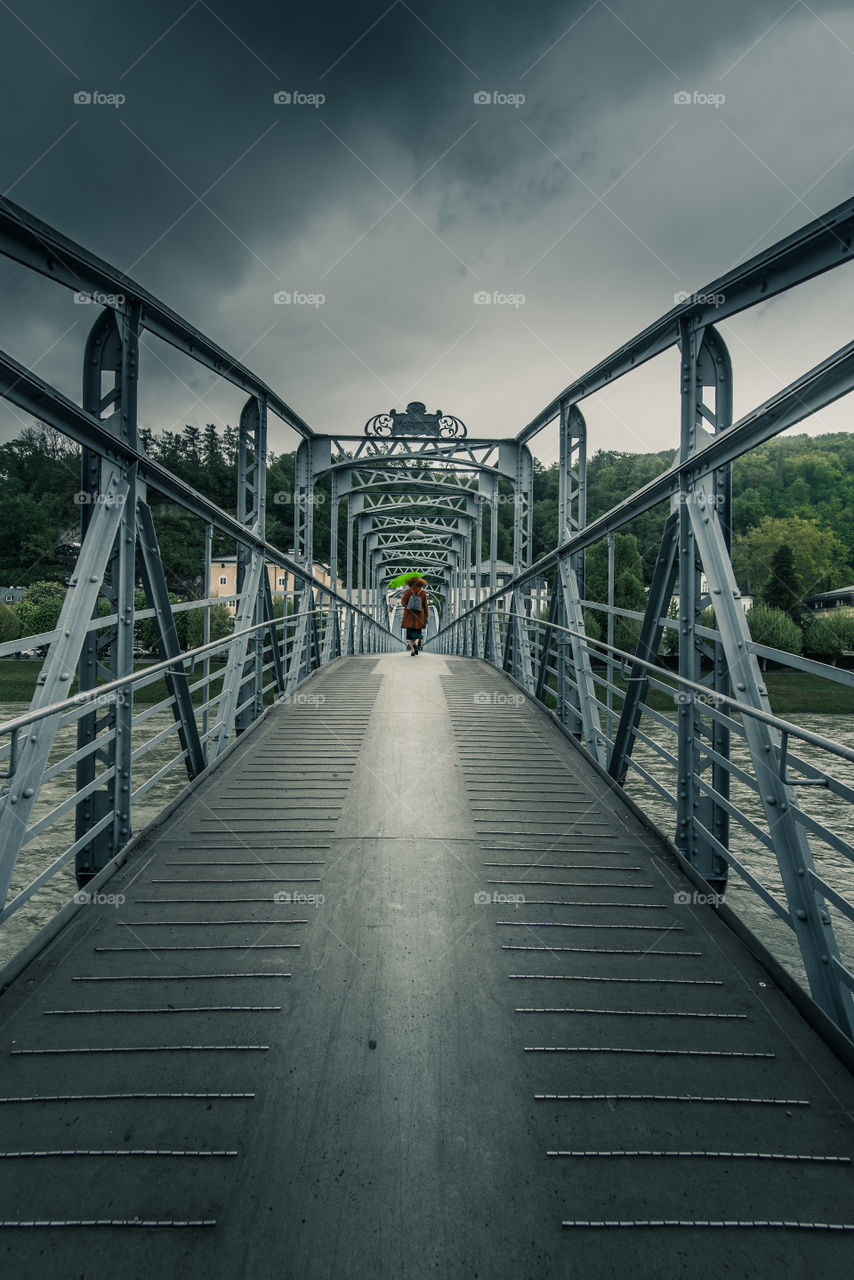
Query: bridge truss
{"points": [[421, 495]]}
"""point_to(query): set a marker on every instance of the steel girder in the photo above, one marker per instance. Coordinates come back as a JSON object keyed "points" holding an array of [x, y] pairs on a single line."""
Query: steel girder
{"points": [[251, 498], [19, 793], [154, 584], [516, 464], [313, 459], [652, 628], [585, 689], [251, 512], [39, 246], [705, 363], [460, 453], [112, 348], [818, 247], [808, 915]]}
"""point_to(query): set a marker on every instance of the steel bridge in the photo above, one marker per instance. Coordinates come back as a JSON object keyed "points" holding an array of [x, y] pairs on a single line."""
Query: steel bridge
{"points": [[383, 967]]}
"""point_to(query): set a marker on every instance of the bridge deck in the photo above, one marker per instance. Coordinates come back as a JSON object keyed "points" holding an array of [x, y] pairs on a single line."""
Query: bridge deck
{"points": [[402, 1081]]}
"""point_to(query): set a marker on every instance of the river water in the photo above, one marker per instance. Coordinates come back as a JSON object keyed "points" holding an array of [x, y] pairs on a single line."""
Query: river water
{"points": [[834, 812], [43, 849]]}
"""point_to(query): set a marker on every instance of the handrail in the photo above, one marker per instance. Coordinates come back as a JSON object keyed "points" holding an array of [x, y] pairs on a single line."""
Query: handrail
{"points": [[745, 708], [155, 668]]}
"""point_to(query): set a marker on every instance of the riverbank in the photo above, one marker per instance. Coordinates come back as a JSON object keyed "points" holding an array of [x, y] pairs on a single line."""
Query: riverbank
{"points": [[791, 692], [18, 681]]}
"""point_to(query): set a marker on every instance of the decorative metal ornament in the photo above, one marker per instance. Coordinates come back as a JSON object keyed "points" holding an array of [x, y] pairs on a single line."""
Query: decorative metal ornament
{"points": [[415, 421]]}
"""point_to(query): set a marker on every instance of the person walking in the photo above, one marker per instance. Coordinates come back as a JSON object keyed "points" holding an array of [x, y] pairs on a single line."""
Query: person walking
{"points": [[414, 601]]}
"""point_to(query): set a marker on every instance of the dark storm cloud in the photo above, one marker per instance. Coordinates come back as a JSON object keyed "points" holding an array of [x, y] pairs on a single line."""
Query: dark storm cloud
{"points": [[400, 197]]}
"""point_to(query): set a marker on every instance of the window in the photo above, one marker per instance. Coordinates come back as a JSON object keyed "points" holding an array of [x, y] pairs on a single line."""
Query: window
{"points": [[223, 581], [281, 582]]}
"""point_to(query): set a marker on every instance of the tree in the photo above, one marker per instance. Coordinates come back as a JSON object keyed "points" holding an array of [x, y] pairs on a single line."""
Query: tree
{"points": [[824, 638], [10, 624], [670, 635], [783, 588], [820, 558], [774, 628], [628, 585], [222, 625], [39, 610]]}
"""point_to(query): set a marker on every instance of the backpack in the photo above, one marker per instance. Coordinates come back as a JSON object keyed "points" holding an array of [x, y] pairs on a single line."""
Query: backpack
{"points": [[415, 604]]}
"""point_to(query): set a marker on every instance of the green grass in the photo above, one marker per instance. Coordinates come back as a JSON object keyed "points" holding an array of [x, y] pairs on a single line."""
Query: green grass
{"points": [[790, 692], [18, 682], [795, 691]]}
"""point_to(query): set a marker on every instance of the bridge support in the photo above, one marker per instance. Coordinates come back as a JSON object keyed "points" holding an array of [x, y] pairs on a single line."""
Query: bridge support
{"points": [[705, 363], [808, 914], [54, 681], [251, 510], [112, 347]]}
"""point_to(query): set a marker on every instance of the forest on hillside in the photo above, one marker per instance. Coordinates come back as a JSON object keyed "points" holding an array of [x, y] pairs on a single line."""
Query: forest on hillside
{"points": [[796, 491]]}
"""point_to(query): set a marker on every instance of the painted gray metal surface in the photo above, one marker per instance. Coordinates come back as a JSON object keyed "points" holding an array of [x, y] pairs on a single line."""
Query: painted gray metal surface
{"points": [[311, 1042]]}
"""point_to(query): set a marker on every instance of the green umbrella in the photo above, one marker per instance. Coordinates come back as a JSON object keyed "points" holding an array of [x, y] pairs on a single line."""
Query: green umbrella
{"points": [[403, 578]]}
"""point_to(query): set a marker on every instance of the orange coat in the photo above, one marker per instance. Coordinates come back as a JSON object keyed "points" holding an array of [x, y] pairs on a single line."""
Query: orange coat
{"points": [[414, 597]]}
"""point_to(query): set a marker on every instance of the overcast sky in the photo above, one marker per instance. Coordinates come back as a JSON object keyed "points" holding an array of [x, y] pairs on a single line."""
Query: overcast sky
{"points": [[580, 198]]}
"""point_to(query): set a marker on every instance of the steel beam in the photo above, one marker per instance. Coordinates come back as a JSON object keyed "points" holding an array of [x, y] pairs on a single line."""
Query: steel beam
{"points": [[157, 594], [819, 246], [54, 681], [809, 915]]}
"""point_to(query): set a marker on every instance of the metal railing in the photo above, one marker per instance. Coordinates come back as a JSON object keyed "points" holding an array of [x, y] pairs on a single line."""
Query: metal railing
{"points": [[78, 771], [653, 771], [718, 770], [291, 648], [721, 763]]}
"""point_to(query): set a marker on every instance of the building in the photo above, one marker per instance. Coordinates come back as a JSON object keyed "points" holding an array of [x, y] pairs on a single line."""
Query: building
{"points": [[11, 595], [224, 579], [841, 598]]}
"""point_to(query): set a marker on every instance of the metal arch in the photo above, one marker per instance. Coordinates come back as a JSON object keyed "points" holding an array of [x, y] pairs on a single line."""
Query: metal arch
{"points": [[472, 453], [251, 498], [112, 347], [251, 512], [697, 811]]}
